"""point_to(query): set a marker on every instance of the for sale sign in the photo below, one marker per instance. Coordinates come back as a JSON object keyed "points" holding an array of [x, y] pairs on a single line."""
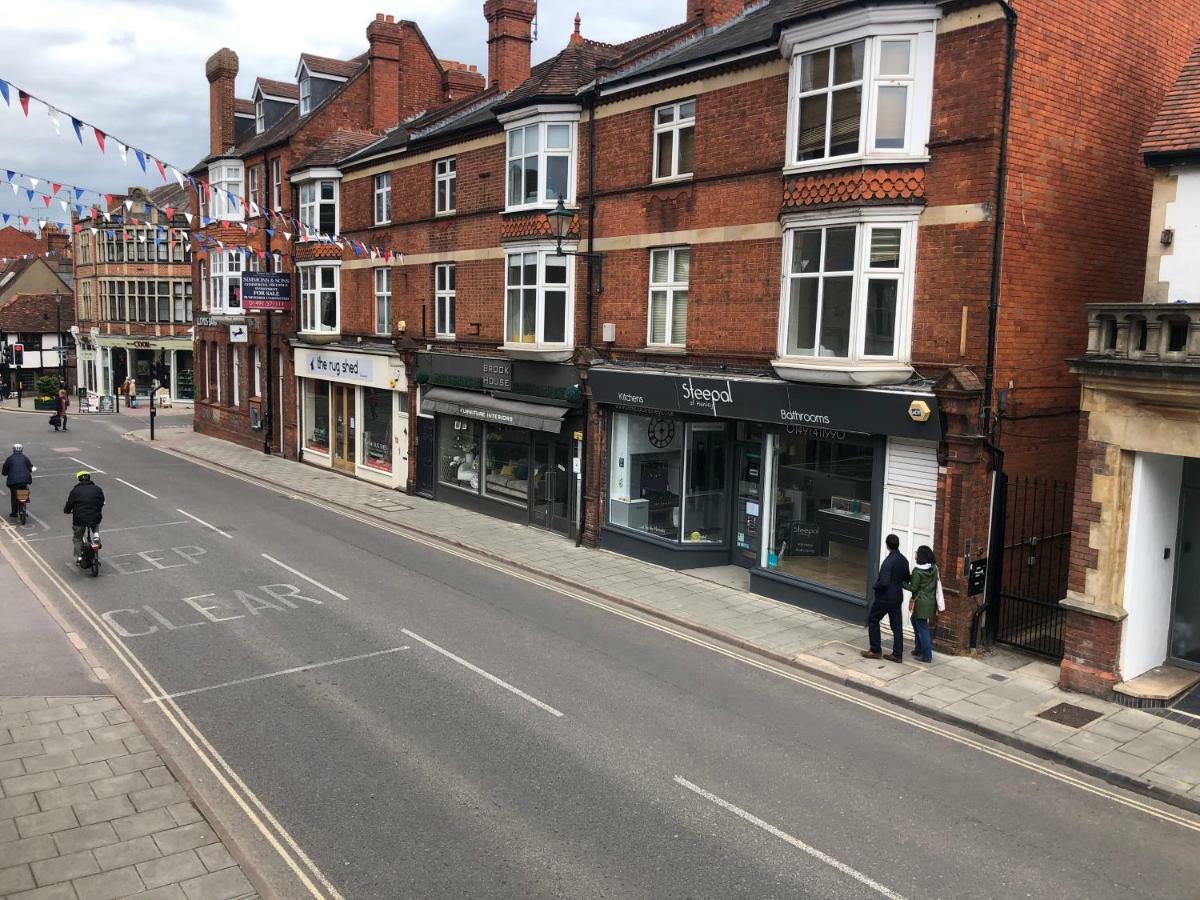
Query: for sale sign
{"points": [[266, 291]]}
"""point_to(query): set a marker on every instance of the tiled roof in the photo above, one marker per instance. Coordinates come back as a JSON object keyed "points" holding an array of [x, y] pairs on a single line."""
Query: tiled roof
{"points": [[324, 65], [35, 313], [1176, 128], [243, 107], [338, 145], [564, 74], [284, 89], [14, 242], [170, 195]]}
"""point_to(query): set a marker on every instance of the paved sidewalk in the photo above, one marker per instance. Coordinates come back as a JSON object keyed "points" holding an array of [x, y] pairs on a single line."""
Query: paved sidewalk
{"points": [[998, 694], [88, 810]]}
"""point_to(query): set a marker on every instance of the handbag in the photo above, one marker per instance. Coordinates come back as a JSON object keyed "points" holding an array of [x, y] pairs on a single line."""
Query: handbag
{"points": [[941, 597], [54, 420]]}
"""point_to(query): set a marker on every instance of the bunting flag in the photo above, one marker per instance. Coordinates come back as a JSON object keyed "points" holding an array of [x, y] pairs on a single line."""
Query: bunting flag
{"points": [[24, 98], [99, 138], [78, 126], [162, 171], [4, 92], [141, 158]]}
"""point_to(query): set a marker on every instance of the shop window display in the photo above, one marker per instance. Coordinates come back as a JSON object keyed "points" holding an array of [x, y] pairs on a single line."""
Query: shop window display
{"points": [[822, 510], [316, 415], [507, 466], [377, 429], [459, 452]]}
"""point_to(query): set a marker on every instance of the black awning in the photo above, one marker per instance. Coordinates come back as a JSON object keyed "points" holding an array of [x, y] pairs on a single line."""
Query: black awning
{"points": [[486, 408]]}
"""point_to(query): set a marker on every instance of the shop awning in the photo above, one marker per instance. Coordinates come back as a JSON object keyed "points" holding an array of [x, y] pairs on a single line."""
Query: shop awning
{"points": [[484, 407]]}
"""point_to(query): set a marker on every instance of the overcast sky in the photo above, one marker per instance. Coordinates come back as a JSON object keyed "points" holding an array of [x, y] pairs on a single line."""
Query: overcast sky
{"points": [[135, 68]]}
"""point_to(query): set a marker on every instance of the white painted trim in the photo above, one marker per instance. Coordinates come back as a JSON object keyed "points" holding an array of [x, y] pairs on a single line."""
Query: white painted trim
{"points": [[314, 173], [672, 74], [857, 23], [542, 112]]}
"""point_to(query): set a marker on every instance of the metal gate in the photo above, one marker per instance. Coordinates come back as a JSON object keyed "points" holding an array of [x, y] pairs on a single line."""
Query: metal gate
{"points": [[1035, 557]]}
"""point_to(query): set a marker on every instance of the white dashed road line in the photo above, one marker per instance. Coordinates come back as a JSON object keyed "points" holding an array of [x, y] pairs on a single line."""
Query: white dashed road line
{"points": [[138, 489], [202, 522], [300, 574]]}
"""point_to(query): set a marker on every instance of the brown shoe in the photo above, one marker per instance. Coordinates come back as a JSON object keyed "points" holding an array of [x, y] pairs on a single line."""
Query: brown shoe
{"points": [[892, 657], [871, 654]]}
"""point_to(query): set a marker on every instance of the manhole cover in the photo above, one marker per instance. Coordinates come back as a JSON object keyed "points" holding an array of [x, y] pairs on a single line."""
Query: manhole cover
{"points": [[1070, 715]]}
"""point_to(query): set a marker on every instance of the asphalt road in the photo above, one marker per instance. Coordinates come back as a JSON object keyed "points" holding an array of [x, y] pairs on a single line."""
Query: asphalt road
{"points": [[455, 730]]}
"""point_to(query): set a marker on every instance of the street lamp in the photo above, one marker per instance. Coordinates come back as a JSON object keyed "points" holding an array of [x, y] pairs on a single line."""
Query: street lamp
{"points": [[560, 219], [62, 358]]}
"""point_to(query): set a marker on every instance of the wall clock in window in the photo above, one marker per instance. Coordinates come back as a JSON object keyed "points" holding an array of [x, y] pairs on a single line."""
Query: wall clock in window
{"points": [[661, 432]]}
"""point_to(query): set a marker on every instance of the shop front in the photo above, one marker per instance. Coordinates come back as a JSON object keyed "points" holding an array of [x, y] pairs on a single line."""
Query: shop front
{"points": [[797, 483], [502, 437], [353, 413], [168, 360]]}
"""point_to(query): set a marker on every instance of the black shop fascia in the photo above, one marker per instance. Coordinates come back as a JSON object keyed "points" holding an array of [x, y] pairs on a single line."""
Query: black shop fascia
{"points": [[501, 436], [790, 481]]}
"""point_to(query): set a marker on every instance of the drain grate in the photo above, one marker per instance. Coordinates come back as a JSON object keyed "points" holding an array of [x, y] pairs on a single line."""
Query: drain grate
{"points": [[997, 677], [1070, 715]]}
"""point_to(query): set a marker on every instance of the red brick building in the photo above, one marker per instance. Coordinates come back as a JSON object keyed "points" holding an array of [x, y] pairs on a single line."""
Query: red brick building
{"points": [[821, 268], [270, 202], [133, 293]]}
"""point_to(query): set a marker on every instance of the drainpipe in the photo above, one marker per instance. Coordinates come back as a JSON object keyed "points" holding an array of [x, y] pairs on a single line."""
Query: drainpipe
{"points": [[989, 376], [590, 296]]}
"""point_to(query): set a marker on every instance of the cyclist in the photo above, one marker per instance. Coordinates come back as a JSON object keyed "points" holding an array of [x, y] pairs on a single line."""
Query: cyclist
{"points": [[84, 504], [18, 472]]}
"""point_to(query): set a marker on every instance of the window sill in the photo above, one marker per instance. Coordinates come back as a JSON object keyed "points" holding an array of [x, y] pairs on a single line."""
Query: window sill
{"points": [[538, 354], [841, 372], [855, 162], [540, 205], [447, 214], [319, 337], [444, 337], [664, 350], [674, 179], [385, 222]]}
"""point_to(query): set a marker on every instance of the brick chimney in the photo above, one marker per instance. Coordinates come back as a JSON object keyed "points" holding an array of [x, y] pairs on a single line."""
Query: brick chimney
{"points": [[460, 80], [714, 12], [509, 37], [385, 35], [221, 71]]}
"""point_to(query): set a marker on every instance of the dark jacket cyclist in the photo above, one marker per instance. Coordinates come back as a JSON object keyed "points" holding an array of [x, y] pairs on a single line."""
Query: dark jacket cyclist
{"points": [[18, 473], [84, 504]]}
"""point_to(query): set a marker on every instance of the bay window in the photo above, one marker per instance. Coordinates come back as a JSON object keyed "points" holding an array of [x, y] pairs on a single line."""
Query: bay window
{"points": [[668, 296], [225, 178], [848, 282], [540, 164], [319, 298], [674, 139], [865, 93], [319, 208], [444, 297], [383, 301], [226, 280], [538, 299], [383, 198]]}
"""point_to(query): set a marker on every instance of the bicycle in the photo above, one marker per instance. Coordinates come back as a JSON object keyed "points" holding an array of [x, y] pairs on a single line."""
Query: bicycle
{"points": [[90, 559], [22, 502]]}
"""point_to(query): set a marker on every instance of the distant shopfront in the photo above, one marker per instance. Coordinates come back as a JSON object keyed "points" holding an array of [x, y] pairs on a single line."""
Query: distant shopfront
{"points": [[501, 436], [798, 483], [169, 360], [354, 413]]}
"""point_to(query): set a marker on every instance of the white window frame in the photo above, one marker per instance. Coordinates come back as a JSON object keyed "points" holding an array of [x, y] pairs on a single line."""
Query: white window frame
{"points": [[383, 198], [305, 85], [257, 371], [541, 122], [310, 297], [674, 127], [203, 287], [225, 175], [260, 119], [915, 22], [276, 183], [383, 300], [445, 182], [310, 207], [445, 299], [222, 272], [253, 185], [865, 220], [671, 288], [540, 343], [235, 374]]}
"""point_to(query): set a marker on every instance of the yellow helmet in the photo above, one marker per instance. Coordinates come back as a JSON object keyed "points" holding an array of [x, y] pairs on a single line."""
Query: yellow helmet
{"points": [[83, 474]]}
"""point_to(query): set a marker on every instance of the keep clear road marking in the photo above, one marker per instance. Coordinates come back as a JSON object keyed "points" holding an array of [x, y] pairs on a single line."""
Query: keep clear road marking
{"points": [[57, 537], [754, 820], [300, 574], [138, 489], [291, 671], [202, 522], [488, 675]]}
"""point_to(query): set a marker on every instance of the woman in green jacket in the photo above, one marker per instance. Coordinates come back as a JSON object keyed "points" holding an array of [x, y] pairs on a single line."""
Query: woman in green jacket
{"points": [[923, 584]]}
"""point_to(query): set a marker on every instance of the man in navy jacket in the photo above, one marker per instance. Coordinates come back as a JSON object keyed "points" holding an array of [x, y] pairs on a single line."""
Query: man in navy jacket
{"points": [[889, 599], [18, 473]]}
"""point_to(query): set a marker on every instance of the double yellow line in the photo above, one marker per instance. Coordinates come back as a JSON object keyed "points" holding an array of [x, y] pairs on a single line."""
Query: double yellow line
{"points": [[313, 879]]}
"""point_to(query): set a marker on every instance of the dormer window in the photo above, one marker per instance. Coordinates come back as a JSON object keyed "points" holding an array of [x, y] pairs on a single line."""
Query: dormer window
{"points": [[259, 117], [305, 94], [318, 189]]}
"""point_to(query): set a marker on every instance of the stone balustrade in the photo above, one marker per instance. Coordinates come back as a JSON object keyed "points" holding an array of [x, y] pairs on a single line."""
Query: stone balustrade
{"points": [[1144, 332]]}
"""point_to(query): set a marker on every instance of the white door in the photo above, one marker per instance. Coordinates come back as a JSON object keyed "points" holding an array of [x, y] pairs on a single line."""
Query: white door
{"points": [[910, 518]]}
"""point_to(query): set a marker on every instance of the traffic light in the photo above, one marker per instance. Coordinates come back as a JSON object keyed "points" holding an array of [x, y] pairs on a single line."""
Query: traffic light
{"points": [[18, 355]]}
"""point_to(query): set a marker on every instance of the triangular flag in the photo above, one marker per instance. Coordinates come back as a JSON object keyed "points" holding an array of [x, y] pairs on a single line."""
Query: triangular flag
{"points": [[189, 217], [9, 174], [53, 114], [4, 93], [46, 198], [162, 170], [99, 138], [170, 211], [24, 98], [5, 215], [29, 194], [63, 204], [24, 220], [287, 235], [129, 205], [141, 158], [55, 187], [33, 181], [78, 193], [78, 126], [123, 150]]}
